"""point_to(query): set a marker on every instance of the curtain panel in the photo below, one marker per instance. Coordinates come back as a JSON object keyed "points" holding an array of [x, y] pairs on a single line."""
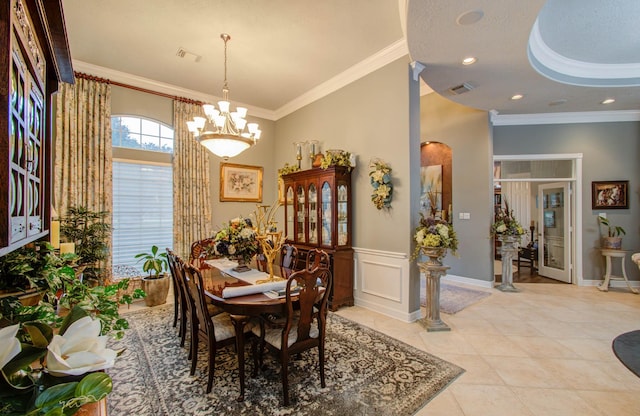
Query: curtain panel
{"points": [[191, 182], [82, 151]]}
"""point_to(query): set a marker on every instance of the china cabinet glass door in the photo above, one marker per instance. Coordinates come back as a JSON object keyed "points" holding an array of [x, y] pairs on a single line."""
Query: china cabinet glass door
{"points": [[300, 215], [290, 212], [326, 214], [343, 212], [313, 217]]}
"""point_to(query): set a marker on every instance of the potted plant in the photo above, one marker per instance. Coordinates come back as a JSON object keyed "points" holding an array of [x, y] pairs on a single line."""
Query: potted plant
{"points": [[90, 233], [156, 284], [613, 239]]}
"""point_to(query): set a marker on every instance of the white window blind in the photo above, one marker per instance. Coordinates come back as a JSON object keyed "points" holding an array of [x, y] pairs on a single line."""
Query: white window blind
{"points": [[142, 210]]}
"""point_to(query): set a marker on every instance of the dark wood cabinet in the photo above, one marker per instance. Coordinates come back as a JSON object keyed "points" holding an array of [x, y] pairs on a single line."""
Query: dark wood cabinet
{"points": [[35, 57], [318, 215]]}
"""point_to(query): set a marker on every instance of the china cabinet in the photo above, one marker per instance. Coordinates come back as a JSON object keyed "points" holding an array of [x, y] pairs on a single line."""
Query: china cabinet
{"points": [[318, 215], [36, 57]]}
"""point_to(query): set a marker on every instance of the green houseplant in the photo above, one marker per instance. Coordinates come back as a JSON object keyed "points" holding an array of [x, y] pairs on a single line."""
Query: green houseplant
{"points": [[90, 232], [156, 283], [613, 239]]}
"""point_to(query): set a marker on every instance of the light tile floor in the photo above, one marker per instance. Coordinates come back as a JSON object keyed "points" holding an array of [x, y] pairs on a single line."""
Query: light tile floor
{"points": [[545, 351]]}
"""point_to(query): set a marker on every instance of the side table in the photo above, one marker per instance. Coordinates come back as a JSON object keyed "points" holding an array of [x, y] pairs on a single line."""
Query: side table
{"points": [[614, 254]]}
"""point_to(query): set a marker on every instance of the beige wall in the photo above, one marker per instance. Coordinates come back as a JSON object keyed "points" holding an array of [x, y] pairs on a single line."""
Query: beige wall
{"points": [[467, 132], [370, 118]]}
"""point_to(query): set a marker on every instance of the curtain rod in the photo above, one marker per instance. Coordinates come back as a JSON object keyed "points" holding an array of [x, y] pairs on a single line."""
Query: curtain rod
{"points": [[132, 87]]}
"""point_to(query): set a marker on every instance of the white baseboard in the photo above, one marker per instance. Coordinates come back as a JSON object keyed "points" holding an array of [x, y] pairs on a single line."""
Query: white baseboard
{"points": [[612, 283], [468, 281]]}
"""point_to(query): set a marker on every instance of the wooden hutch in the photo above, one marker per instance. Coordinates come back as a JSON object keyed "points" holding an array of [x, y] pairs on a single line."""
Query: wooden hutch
{"points": [[35, 56], [318, 215]]}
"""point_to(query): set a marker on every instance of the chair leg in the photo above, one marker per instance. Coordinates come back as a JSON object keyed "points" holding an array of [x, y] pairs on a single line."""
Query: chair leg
{"points": [[183, 328], [175, 313], [285, 378], [194, 352], [321, 362], [212, 363]]}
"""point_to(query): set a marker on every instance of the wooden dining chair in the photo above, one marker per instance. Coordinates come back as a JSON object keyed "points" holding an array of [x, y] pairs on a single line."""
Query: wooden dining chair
{"points": [[179, 302], [288, 259], [305, 324], [317, 258], [216, 331]]}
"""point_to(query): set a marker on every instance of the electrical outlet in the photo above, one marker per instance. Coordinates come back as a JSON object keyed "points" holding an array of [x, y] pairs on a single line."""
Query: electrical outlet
{"points": [[461, 216]]}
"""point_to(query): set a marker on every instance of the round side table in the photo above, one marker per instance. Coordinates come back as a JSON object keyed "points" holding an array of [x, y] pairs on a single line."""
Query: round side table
{"points": [[614, 254]]}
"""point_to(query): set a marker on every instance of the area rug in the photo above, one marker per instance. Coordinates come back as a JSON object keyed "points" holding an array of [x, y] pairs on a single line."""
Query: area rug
{"points": [[453, 298], [627, 349], [367, 373]]}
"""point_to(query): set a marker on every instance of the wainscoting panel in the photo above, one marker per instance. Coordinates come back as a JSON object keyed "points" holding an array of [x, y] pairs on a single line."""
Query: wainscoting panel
{"points": [[382, 283]]}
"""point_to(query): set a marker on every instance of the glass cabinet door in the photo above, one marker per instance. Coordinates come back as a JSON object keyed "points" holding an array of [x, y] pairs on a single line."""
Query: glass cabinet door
{"points": [[343, 220], [300, 211], [313, 214], [326, 214], [290, 213]]}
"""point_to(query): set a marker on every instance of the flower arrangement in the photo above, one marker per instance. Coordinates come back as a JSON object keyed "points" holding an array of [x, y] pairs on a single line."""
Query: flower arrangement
{"points": [[435, 233], [66, 377], [237, 240], [380, 177], [336, 158], [287, 169], [505, 223]]}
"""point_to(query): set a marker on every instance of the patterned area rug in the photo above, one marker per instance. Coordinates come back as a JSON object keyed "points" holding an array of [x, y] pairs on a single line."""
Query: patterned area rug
{"points": [[367, 373], [453, 298]]}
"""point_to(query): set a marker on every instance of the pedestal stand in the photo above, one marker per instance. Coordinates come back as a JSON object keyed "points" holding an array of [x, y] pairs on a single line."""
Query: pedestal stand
{"points": [[508, 250], [432, 321]]}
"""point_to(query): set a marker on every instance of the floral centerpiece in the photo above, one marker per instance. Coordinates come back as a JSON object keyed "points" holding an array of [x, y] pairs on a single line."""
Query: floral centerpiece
{"points": [[505, 224], [287, 169], [380, 177], [237, 240], [54, 374], [434, 233]]}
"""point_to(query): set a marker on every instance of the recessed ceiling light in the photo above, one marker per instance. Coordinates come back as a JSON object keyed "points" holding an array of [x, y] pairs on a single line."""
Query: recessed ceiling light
{"points": [[517, 97], [470, 17], [469, 60], [608, 101]]}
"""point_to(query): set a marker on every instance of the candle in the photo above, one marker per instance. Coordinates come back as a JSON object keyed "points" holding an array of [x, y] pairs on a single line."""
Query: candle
{"points": [[67, 248], [533, 223], [54, 234]]}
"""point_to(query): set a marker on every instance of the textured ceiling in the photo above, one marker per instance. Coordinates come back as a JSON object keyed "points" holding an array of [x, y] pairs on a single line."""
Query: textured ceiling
{"points": [[282, 49]]}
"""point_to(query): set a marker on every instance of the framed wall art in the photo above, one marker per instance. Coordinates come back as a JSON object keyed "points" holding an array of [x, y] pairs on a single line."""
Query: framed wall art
{"points": [[609, 195], [240, 183]]}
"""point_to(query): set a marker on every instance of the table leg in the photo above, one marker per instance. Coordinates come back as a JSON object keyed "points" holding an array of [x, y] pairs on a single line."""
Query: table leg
{"points": [[605, 285], [239, 321]]}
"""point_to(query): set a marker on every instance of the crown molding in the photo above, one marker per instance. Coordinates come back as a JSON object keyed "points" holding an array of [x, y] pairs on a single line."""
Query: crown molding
{"points": [[376, 61], [149, 84], [564, 118]]}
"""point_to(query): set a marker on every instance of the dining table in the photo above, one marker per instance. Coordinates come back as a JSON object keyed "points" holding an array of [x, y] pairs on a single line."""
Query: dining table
{"points": [[239, 294]]}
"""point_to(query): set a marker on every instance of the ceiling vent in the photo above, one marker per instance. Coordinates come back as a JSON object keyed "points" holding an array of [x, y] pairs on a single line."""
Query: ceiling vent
{"points": [[461, 89], [182, 53]]}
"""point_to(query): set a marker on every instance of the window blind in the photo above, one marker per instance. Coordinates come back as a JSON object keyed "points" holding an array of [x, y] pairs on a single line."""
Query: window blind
{"points": [[142, 211]]}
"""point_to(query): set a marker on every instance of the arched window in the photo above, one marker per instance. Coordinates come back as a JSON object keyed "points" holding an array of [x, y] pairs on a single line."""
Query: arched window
{"points": [[142, 190]]}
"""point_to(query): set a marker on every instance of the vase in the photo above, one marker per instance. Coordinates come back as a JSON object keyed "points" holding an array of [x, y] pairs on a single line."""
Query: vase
{"points": [[508, 250], [242, 264], [435, 255]]}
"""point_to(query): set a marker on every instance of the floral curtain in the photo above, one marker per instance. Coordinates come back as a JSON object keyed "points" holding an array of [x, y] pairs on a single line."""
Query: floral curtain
{"points": [[82, 149], [191, 183]]}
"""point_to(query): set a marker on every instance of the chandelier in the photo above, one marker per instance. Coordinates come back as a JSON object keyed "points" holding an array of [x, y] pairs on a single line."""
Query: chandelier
{"points": [[221, 131]]}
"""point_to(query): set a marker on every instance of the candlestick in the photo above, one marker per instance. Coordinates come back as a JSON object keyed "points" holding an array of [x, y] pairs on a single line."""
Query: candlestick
{"points": [[54, 234]]}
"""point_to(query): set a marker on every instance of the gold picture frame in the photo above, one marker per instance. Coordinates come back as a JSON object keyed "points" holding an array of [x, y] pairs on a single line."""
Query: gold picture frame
{"points": [[240, 183]]}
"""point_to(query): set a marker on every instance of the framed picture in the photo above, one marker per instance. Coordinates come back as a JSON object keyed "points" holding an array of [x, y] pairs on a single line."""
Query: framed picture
{"points": [[241, 183], [550, 219], [610, 195]]}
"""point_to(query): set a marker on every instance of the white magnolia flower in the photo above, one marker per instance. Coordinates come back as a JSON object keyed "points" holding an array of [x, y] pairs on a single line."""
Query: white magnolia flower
{"points": [[9, 344], [231, 249], [80, 350], [420, 236], [443, 230], [383, 191], [501, 228], [377, 175]]}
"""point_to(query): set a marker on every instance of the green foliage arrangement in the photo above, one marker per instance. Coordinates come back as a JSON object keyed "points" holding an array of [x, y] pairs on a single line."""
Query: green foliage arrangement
{"points": [[336, 158], [287, 169]]}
